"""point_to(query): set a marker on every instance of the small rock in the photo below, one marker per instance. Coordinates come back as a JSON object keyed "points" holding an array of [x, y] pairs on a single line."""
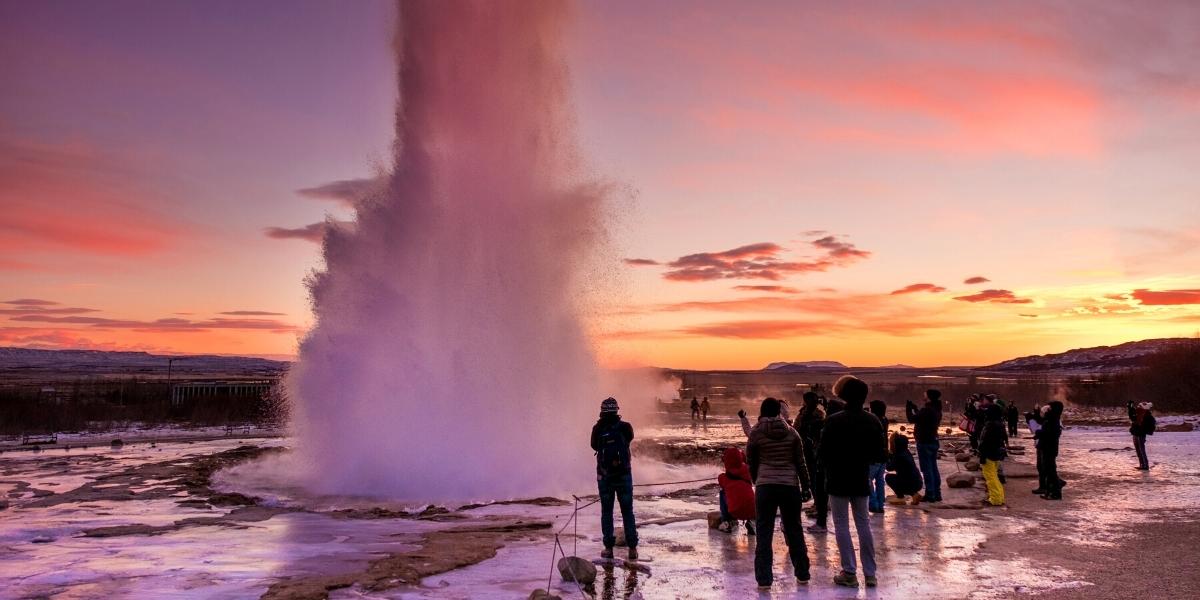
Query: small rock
{"points": [[620, 537], [963, 456], [540, 594], [1177, 427], [714, 519], [42, 539], [573, 568], [117, 443], [3, 504], [972, 465], [960, 480]]}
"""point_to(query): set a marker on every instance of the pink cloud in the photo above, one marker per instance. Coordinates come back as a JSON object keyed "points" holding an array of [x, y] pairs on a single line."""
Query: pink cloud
{"points": [[251, 313], [344, 191], [640, 262], [976, 280], [767, 288], [997, 296], [163, 325], [919, 287], [761, 261]]}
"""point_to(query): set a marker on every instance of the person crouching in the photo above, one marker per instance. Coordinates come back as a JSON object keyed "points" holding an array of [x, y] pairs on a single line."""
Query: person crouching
{"points": [[904, 478], [737, 492]]}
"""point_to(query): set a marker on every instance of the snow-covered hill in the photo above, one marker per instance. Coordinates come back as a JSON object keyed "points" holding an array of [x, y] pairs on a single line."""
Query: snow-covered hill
{"points": [[1100, 358]]}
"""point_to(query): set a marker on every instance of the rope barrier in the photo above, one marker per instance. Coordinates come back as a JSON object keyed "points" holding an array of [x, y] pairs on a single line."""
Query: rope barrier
{"points": [[574, 518]]}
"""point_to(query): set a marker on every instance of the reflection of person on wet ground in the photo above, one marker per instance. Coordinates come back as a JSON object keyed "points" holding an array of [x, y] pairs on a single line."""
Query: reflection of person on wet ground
{"points": [[608, 585], [904, 478], [737, 492], [614, 477], [993, 448], [1141, 424], [704, 406], [808, 424], [849, 444], [1047, 439], [695, 409], [925, 423], [781, 485], [879, 466]]}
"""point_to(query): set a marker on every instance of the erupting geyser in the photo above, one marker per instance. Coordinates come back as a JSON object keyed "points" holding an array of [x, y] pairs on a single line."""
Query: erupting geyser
{"points": [[449, 358]]}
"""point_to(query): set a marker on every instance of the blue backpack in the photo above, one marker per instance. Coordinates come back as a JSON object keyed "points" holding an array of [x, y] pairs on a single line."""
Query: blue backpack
{"points": [[613, 456]]}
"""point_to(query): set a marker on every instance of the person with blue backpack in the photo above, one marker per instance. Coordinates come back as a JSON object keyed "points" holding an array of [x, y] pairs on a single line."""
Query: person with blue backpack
{"points": [[614, 477]]}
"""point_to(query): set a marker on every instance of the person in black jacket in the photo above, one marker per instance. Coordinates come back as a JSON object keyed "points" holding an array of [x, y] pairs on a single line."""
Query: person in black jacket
{"points": [[610, 439], [1141, 424], [1047, 442], [1014, 417], [809, 424], [851, 441], [993, 448], [904, 478], [925, 433]]}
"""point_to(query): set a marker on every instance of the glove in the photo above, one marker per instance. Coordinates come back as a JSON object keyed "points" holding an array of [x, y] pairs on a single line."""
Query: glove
{"points": [[742, 413], [805, 496]]}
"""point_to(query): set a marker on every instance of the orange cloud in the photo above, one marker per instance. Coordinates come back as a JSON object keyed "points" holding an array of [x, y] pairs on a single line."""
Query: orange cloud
{"points": [[1166, 297], [997, 296], [976, 280], [640, 262], [163, 325], [919, 287]]}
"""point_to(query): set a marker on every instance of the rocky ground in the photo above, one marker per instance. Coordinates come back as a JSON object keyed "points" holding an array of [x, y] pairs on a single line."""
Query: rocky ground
{"points": [[172, 519]]}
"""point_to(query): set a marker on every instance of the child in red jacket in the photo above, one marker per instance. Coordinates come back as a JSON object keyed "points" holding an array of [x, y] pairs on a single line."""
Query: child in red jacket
{"points": [[737, 492]]}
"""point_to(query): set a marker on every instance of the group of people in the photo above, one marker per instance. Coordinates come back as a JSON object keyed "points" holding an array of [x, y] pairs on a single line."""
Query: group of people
{"points": [[839, 454]]}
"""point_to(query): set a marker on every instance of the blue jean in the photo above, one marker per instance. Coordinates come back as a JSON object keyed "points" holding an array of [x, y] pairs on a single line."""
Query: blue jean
{"points": [[621, 487], [927, 454], [725, 516], [842, 508], [878, 486]]}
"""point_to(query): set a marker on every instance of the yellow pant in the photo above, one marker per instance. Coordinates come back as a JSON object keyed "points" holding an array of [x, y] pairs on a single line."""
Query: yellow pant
{"points": [[991, 476]]}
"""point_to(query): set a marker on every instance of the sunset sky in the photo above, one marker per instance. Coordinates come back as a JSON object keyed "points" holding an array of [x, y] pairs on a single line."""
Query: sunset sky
{"points": [[933, 184]]}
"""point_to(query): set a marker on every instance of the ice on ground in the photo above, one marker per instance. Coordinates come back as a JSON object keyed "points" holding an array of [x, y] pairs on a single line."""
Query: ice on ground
{"points": [[922, 551]]}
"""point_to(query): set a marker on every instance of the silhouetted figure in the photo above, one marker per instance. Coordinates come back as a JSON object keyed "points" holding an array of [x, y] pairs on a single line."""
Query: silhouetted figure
{"points": [[695, 409], [993, 448], [776, 455], [704, 406], [1047, 441], [614, 477], [809, 424], [925, 433], [849, 444], [904, 478], [1141, 424]]}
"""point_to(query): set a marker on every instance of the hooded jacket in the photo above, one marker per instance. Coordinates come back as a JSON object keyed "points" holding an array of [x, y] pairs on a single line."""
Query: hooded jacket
{"points": [[851, 441], [809, 424], [907, 477], [776, 454], [737, 484]]}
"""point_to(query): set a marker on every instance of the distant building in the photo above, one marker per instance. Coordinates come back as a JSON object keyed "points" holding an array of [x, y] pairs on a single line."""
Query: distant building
{"points": [[191, 390]]}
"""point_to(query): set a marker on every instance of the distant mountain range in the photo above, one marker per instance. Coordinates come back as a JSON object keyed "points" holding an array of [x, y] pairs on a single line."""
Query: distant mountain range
{"points": [[99, 362], [793, 367], [1091, 360]]}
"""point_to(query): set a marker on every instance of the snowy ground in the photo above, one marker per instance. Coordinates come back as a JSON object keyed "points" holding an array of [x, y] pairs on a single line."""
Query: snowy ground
{"points": [[241, 551]]}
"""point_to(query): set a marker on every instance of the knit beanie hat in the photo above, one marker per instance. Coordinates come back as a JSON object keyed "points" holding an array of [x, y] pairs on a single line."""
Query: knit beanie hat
{"points": [[609, 406]]}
